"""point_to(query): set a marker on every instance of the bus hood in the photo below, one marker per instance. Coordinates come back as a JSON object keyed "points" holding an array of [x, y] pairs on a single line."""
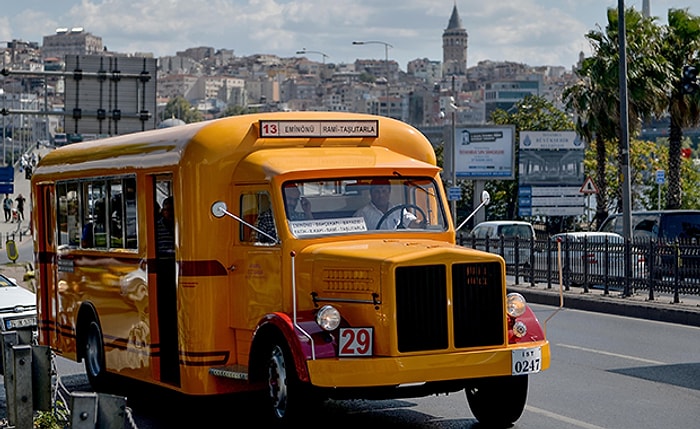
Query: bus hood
{"points": [[364, 266], [394, 251]]}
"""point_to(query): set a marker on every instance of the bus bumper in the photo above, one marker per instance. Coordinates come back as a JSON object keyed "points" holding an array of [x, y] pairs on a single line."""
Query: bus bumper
{"points": [[394, 371]]}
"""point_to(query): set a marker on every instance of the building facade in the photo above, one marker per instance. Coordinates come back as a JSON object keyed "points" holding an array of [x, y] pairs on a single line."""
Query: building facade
{"points": [[75, 41]]}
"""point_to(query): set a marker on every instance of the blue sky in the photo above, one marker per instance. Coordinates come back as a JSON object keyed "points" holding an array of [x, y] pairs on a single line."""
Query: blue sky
{"points": [[535, 32]]}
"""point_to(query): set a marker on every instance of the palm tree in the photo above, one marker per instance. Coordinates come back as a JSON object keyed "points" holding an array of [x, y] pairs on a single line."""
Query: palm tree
{"points": [[599, 108], [590, 101], [681, 46]]}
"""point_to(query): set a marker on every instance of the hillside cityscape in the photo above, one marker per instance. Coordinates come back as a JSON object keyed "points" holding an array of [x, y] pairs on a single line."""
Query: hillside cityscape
{"points": [[38, 89]]}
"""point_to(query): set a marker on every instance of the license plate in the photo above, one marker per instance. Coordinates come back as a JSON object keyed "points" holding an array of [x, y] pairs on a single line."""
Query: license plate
{"points": [[355, 342], [24, 322], [527, 361]]}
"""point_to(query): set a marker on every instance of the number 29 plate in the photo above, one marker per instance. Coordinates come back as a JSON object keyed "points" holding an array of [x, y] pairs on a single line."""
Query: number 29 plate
{"points": [[355, 342], [527, 361]]}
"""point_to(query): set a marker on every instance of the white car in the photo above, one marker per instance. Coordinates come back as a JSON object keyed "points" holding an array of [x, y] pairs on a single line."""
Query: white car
{"points": [[508, 230], [17, 309], [595, 254]]}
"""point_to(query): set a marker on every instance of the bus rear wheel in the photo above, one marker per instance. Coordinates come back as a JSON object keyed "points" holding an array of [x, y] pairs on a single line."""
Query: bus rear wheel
{"points": [[498, 402], [94, 353]]}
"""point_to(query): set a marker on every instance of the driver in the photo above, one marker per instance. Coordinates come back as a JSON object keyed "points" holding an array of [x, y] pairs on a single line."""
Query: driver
{"points": [[373, 211]]}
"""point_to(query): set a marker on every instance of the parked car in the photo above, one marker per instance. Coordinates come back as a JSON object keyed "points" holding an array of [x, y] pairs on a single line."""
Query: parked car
{"points": [[488, 236], [676, 234], [17, 311], [667, 225], [594, 257]]}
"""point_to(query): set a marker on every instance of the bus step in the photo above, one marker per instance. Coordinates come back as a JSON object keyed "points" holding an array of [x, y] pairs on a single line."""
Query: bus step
{"points": [[236, 372]]}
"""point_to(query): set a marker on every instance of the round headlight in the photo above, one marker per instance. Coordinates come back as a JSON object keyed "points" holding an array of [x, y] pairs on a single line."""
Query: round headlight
{"points": [[328, 318], [515, 304]]}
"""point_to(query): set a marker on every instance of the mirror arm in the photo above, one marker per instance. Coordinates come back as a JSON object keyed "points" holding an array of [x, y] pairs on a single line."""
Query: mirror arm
{"points": [[485, 200], [219, 209]]}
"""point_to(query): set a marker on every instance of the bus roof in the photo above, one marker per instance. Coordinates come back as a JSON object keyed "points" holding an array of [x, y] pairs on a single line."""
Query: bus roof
{"points": [[236, 138]]}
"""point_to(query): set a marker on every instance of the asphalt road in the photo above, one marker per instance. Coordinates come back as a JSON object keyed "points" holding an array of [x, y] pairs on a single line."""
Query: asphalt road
{"points": [[607, 371]]}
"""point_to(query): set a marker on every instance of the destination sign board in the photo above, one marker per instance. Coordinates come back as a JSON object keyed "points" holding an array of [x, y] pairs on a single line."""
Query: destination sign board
{"points": [[319, 129]]}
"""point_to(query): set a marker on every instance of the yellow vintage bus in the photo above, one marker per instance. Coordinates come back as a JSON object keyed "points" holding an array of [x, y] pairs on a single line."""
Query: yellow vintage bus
{"points": [[308, 255]]}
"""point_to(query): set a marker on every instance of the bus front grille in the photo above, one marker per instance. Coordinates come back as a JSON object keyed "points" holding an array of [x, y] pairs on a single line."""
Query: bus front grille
{"points": [[422, 294]]}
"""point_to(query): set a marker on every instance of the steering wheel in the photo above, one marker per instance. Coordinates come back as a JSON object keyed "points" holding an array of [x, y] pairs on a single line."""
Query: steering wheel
{"points": [[401, 207]]}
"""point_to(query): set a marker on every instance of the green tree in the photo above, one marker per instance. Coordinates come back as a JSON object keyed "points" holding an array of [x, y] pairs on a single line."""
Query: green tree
{"points": [[180, 108], [591, 100], [235, 110], [681, 46], [532, 113], [645, 158]]}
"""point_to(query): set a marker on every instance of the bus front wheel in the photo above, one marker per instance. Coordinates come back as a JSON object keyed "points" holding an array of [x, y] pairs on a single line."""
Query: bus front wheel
{"points": [[94, 354], [498, 401], [284, 390]]}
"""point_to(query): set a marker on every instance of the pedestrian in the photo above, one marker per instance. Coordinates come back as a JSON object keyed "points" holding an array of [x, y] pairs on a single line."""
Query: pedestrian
{"points": [[20, 206], [7, 207], [165, 230]]}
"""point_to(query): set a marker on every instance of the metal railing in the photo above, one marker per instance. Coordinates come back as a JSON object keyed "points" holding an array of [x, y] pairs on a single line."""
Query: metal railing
{"points": [[629, 267]]}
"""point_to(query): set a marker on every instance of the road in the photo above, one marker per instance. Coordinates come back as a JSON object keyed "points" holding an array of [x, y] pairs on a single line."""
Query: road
{"points": [[607, 372]]}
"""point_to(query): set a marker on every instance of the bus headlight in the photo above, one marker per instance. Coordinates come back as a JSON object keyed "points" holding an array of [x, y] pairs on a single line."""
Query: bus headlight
{"points": [[515, 304], [328, 318]]}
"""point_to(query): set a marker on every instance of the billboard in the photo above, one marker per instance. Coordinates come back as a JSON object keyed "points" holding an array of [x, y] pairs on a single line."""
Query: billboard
{"points": [[486, 153], [109, 95], [550, 174]]}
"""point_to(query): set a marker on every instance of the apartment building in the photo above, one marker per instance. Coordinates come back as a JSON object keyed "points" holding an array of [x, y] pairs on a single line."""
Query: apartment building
{"points": [[74, 41]]}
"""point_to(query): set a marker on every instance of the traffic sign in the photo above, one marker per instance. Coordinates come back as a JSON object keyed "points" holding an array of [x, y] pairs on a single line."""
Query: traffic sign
{"points": [[588, 187], [454, 193], [660, 177]]}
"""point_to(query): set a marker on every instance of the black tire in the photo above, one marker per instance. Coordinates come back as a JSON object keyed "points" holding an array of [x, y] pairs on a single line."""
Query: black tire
{"points": [[94, 353], [285, 393], [498, 402]]}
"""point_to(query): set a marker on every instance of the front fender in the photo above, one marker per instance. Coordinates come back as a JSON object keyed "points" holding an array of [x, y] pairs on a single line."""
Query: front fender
{"points": [[534, 328], [322, 344]]}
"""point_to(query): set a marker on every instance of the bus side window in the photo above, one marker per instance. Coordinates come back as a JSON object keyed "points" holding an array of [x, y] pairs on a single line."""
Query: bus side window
{"points": [[69, 222], [94, 233], [253, 205], [122, 213]]}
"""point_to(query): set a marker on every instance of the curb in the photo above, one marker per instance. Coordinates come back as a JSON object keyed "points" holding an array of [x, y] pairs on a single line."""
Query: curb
{"points": [[684, 314]]}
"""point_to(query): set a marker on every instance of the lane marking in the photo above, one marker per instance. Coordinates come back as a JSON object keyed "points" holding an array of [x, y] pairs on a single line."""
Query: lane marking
{"points": [[561, 418], [601, 352]]}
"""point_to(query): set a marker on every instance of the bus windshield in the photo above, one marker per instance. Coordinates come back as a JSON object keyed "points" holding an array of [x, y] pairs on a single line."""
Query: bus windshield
{"points": [[358, 205]]}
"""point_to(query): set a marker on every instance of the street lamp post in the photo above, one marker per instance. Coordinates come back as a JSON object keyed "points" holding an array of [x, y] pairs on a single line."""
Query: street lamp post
{"points": [[386, 64], [304, 51]]}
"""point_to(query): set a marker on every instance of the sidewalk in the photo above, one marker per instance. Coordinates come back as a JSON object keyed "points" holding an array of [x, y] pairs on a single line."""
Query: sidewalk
{"points": [[21, 186]]}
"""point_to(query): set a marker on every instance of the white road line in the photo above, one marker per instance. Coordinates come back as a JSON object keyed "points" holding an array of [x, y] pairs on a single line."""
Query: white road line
{"points": [[561, 418], [585, 349]]}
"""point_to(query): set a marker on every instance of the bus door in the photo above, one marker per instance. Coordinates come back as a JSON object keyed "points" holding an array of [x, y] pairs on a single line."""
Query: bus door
{"points": [[165, 296], [256, 282]]}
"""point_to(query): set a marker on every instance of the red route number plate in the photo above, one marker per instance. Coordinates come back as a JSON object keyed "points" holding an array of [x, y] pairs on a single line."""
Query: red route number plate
{"points": [[355, 342]]}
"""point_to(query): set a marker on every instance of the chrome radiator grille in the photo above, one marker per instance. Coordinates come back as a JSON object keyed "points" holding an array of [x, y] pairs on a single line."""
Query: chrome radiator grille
{"points": [[422, 294]]}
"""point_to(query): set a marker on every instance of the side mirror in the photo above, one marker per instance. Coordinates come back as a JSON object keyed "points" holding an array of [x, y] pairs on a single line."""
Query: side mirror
{"points": [[485, 198], [219, 209]]}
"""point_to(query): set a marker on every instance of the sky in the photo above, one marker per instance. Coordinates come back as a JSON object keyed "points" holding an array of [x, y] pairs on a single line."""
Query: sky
{"points": [[534, 32]]}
